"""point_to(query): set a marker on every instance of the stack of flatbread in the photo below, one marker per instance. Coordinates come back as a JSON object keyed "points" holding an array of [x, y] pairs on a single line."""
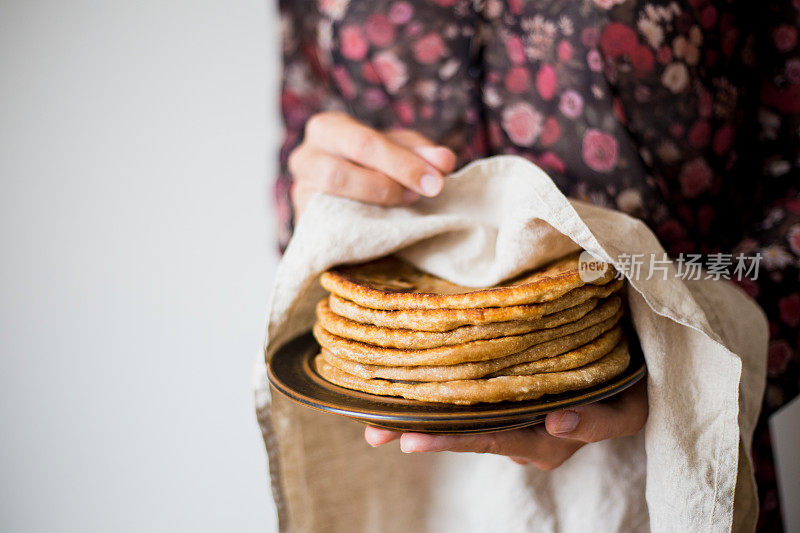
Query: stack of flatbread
{"points": [[390, 329]]}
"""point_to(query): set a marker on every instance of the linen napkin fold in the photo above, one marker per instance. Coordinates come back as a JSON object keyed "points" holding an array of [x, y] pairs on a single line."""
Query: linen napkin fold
{"points": [[704, 341]]}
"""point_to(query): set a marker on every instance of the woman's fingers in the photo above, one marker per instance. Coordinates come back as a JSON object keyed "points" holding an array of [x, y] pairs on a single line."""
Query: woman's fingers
{"points": [[623, 415], [300, 197], [344, 136], [526, 446], [440, 157], [545, 446], [315, 169], [341, 156], [378, 437]]}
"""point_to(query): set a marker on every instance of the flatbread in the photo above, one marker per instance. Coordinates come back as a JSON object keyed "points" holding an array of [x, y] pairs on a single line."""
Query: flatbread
{"points": [[564, 353], [448, 319], [391, 283], [481, 350], [584, 355], [416, 340], [502, 388]]}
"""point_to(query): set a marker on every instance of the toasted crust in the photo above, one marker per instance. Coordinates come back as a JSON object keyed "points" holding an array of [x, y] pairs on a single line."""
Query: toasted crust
{"points": [[480, 350], [564, 353], [391, 283], [496, 389], [448, 319], [584, 355], [415, 340]]}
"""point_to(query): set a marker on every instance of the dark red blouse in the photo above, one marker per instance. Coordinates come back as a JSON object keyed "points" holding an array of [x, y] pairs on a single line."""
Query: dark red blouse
{"points": [[683, 113]]}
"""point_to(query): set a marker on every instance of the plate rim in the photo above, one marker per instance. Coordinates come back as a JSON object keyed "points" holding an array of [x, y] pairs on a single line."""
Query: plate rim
{"points": [[500, 414]]}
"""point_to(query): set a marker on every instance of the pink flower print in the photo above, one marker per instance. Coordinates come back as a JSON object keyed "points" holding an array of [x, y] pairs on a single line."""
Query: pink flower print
{"points": [[550, 132], [564, 51], [353, 43], [708, 17], [546, 82], [599, 150], [495, 134], [785, 99], [551, 161], [671, 231], [793, 70], [446, 3], [401, 12], [699, 134], [375, 98], [664, 54], [522, 123], [789, 307], [784, 37], [695, 177], [344, 82], [413, 29], [676, 129], [391, 71], [778, 357], [594, 60], [619, 111], [704, 104], [380, 30], [571, 104], [515, 50], [404, 112], [429, 49], [723, 139], [643, 60], [752, 288], [518, 79], [618, 39], [370, 74], [590, 37], [793, 236]]}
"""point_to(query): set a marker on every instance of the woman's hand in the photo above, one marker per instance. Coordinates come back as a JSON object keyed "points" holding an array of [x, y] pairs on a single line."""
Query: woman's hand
{"points": [[341, 156], [545, 446]]}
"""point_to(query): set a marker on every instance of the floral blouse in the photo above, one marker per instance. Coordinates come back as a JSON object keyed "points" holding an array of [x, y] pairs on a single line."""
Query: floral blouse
{"points": [[684, 113]]}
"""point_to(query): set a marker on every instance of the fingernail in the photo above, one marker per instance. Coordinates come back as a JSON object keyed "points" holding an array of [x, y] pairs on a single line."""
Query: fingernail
{"points": [[568, 422], [410, 196], [431, 184], [406, 446], [410, 443], [431, 152]]}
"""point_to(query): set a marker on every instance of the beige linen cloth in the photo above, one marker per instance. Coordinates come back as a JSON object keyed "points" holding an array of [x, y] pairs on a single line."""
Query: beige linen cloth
{"points": [[704, 341]]}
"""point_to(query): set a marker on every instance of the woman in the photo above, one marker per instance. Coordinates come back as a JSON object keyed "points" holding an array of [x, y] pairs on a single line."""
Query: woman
{"points": [[684, 114]]}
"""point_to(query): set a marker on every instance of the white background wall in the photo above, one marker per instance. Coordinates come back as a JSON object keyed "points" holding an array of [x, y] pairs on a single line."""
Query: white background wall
{"points": [[137, 148]]}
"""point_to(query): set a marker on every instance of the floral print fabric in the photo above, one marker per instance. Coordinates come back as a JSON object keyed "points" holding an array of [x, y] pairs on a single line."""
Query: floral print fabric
{"points": [[683, 113]]}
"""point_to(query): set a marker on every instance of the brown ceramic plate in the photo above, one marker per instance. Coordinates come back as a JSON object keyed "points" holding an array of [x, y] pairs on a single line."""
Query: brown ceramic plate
{"points": [[291, 373]]}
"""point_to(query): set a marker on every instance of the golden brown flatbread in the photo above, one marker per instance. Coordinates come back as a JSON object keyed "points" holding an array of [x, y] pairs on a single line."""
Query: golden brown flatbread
{"points": [[417, 340], [565, 353], [448, 319], [390, 283], [567, 361], [480, 350], [498, 389]]}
